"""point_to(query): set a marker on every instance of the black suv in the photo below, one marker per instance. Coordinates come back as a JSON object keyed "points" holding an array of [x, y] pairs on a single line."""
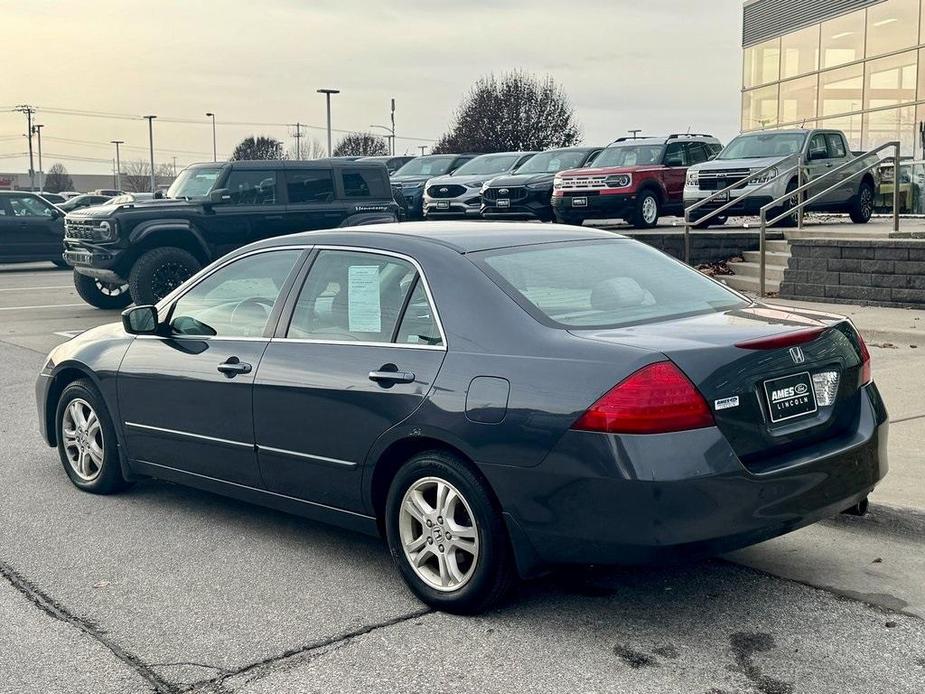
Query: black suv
{"points": [[140, 251]]}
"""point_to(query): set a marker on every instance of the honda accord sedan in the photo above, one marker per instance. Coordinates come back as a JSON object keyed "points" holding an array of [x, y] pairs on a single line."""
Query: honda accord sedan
{"points": [[494, 399]]}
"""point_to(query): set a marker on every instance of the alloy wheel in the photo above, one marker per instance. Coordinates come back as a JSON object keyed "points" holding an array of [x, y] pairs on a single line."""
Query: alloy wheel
{"points": [[168, 277], [867, 203], [439, 534], [111, 289], [82, 434], [650, 210]]}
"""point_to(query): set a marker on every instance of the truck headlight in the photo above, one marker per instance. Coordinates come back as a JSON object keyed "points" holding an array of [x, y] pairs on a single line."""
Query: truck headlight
{"points": [[107, 230], [619, 180], [765, 177], [693, 177], [557, 183]]}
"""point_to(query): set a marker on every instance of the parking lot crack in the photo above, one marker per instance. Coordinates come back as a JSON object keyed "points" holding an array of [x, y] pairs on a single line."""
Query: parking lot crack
{"points": [[307, 653], [57, 611]]}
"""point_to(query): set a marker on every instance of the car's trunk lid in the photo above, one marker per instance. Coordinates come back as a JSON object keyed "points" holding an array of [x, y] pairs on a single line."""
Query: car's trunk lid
{"points": [[753, 409]]}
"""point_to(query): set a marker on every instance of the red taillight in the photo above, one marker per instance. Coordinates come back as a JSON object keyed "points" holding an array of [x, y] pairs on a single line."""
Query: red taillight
{"points": [[798, 337], [655, 400], [866, 373]]}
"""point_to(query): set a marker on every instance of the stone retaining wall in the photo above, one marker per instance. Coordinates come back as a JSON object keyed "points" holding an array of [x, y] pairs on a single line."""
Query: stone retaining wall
{"points": [[879, 272], [706, 246]]}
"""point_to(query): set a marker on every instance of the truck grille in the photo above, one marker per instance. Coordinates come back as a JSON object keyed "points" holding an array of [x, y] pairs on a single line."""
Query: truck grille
{"points": [[717, 180], [583, 183], [514, 193], [442, 191], [80, 229]]}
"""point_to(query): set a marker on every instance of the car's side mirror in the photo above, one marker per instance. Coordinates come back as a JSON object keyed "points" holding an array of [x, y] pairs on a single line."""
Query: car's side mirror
{"points": [[140, 320], [220, 195]]}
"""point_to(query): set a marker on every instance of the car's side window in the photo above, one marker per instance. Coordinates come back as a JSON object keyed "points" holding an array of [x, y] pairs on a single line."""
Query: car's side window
{"points": [[675, 154], [418, 324], [235, 301], [836, 146], [252, 187], [696, 153], [818, 148], [28, 206], [311, 185], [357, 184], [352, 296]]}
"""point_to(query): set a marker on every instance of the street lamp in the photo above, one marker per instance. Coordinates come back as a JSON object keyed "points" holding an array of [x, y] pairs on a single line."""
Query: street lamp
{"points": [[214, 150], [150, 120], [327, 93], [118, 164], [390, 136]]}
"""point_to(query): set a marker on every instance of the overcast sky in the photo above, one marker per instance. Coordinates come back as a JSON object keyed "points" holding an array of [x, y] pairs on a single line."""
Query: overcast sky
{"points": [[659, 65]]}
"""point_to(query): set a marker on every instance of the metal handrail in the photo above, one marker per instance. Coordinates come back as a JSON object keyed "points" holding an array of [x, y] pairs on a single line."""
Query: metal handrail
{"points": [[733, 201], [801, 189]]}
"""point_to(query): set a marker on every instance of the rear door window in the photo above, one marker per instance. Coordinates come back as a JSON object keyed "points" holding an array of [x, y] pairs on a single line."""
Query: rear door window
{"points": [[311, 185], [602, 284], [252, 187], [363, 183]]}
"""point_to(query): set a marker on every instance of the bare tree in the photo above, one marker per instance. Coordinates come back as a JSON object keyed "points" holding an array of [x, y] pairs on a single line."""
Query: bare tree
{"points": [[311, 149], [136, 176], [58, 179], [361, 145], [514, 112], [261, 147]]}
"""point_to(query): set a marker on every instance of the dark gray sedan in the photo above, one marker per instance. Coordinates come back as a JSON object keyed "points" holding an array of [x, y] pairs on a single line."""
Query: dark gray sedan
{"points": [[495, 399]]}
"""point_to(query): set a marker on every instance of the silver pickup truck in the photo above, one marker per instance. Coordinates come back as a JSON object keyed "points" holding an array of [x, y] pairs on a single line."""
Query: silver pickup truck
{"points": [[822, 150]]}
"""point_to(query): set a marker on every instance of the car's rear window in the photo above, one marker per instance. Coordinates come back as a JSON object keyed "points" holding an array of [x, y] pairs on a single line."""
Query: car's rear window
{"points": [[602, 284]]}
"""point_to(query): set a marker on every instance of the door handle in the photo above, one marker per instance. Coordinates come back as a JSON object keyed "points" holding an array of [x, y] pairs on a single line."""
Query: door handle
{"points": [[386, 376], [234, 366]]}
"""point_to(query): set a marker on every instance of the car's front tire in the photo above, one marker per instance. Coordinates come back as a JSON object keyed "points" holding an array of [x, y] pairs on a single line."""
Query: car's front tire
{"points": [[446, 535], [158, 272], [648, 210], [87, 443], [106, 295]]}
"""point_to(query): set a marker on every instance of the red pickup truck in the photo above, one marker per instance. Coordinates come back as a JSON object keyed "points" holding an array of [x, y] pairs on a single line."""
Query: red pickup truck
{"points": [[636, 179]]}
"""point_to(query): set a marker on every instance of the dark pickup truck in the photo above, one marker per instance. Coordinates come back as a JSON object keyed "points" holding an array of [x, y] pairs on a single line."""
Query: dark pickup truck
{"points": [[142, 250]]}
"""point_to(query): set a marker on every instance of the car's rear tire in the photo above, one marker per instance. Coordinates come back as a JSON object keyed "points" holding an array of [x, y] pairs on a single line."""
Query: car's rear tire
{"points": [[106, 295], [435, 495], [648, 210], [862, 206], [159, 271], [87, 443]]}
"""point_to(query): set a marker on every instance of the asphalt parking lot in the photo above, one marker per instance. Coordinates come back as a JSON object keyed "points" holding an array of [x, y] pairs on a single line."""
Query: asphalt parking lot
{"points": [[166, 589]]}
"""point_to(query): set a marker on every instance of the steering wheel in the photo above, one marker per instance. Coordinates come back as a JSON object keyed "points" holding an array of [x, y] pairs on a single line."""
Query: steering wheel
{"points": [[251, 315]]}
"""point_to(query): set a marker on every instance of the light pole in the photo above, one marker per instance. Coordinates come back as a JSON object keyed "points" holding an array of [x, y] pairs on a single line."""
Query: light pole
{"points": [[214, 150], [327, 94], [28, 110], [393, 126], [38, 131], [390, 136], [422, 148], [118, 164], [150, 120], [635, 132]]}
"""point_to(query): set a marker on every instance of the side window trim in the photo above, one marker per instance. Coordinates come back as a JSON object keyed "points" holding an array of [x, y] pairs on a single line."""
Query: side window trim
{"points": [[404, 309], [169, 302], [286, 316]]}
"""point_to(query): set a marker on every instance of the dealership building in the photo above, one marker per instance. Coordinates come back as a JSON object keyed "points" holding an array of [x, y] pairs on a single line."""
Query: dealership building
{"points": [[855, 65]]}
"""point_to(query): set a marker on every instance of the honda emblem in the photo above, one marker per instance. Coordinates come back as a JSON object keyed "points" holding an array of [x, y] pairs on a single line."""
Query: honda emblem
{"points": [[797, 355]]}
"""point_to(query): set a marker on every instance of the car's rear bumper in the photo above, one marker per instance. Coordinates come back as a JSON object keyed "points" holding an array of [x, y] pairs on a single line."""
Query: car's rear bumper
{"points": [[603, 499]]}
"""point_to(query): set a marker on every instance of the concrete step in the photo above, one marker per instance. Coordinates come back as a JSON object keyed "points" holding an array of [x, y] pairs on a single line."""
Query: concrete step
{"points": [[775, 258], [772, 272], [743, 283], [778, 246]]}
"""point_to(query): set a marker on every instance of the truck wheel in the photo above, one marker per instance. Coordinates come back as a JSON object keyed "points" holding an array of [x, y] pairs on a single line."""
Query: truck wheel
{"points": [[101, 294], [862, 207], [158, 272], [792, 219], [647, 210]]}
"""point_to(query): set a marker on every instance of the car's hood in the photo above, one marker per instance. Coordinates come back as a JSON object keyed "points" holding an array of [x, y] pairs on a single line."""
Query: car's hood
{"points": [[105, 210], [459, 180], [409, 179], [521, 179], [609, 170], [726, 164]]}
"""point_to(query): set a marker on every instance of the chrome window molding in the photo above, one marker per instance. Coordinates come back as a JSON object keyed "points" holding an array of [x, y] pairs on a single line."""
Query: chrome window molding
{"points": [[423, 278], [308, 456], [189, 434]]}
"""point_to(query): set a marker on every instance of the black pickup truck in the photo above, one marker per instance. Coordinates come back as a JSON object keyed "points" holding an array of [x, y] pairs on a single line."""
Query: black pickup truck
{"points": [[140, 251]]}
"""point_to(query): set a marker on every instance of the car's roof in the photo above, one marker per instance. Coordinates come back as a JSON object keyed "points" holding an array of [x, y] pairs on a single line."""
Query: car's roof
{"points": [[462, 236], [272, 164], [21, 192]]}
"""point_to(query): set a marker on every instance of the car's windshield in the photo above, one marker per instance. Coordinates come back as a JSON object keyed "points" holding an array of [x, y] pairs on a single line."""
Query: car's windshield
{"points": [[194, 182], [760, 145], [426, 166], [554, 161], [487, 164], [630, 155], [603, 284]]}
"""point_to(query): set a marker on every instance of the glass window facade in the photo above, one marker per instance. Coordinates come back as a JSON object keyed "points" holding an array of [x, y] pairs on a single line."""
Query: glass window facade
{"points": [[862, 72]]}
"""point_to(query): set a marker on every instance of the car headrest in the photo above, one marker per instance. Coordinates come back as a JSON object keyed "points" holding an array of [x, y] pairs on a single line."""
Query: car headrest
{"points": [[615, 293]]}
